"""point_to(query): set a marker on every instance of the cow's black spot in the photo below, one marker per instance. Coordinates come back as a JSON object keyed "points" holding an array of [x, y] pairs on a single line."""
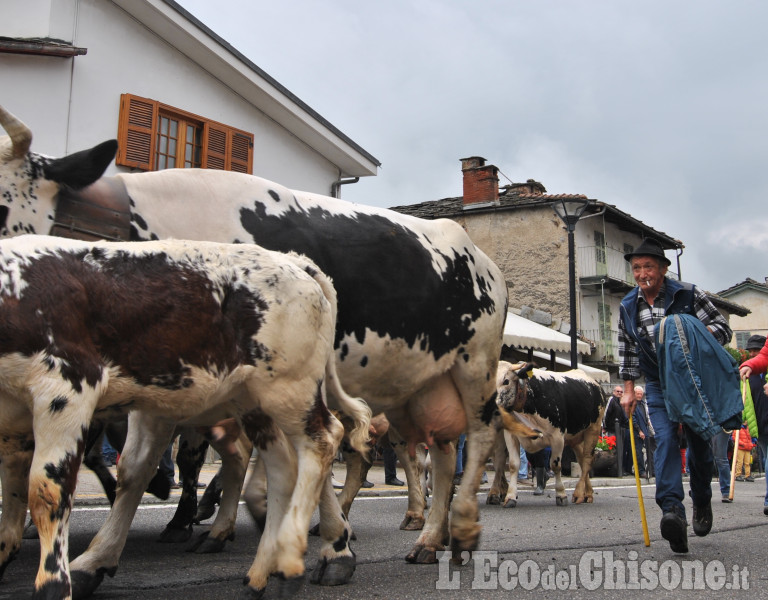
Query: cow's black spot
{"points": [[341, 542], [488, 409], [364, 361], [58, 404]]}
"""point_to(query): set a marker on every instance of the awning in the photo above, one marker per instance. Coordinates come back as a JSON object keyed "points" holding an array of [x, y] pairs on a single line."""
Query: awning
{"points": [[597, 374], [522, 333]]}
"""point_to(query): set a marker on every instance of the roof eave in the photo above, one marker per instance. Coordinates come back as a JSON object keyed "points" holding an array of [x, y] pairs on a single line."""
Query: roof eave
{"points": [[192, 38]]}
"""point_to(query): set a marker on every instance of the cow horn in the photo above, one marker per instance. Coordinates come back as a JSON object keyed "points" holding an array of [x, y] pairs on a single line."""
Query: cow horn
{"points": [[21, 135]]}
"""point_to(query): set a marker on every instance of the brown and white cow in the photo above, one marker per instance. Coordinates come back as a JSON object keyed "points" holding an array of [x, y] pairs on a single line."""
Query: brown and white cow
{"points": [[567, 408], [175, 332], [421, 308]]}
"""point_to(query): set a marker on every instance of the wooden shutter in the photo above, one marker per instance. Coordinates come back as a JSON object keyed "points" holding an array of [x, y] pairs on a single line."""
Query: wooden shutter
{"points": [[136, 132], [227, 148]]}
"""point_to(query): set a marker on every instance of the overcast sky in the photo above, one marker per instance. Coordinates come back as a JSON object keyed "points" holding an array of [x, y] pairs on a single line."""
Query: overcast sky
{"points": [[657, 107]]}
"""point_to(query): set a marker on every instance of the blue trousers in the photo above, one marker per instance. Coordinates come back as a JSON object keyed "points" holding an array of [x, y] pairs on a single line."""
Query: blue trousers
{"points": [[720, 450], [762, 441], [667, 462]]}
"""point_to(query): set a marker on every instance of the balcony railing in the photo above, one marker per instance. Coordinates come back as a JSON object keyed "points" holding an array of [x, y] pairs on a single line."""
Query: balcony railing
{"points": [[610, 265], [606, 345]]}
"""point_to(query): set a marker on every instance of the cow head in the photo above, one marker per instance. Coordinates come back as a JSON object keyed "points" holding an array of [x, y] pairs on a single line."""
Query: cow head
{"points": [[511, 384], [29, 182]]}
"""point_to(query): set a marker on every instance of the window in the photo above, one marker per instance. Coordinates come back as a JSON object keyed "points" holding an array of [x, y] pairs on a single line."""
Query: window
{"points": [[602, 266], [154, 136], [741, 338]]}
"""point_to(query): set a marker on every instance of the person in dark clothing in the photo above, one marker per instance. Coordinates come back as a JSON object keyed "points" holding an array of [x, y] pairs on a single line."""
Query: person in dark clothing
{"points": [[614, 412], [760, 400]]}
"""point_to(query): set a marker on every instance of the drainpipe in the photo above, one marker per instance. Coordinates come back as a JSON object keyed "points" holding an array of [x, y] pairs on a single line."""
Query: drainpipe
{"points": [[679, 254], [336, 186]]}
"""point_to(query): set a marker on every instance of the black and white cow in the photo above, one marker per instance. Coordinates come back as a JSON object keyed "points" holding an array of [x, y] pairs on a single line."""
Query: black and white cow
{"points": [[566, 407], [175, 331], [421, 308]]}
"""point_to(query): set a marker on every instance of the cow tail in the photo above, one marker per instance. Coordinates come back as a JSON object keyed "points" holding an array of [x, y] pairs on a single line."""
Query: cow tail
{"points": [[355, 408]]}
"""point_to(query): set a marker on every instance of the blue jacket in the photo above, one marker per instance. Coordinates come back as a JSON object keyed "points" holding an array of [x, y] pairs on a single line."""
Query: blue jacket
{"points": [[699, 377], [678, 298]]}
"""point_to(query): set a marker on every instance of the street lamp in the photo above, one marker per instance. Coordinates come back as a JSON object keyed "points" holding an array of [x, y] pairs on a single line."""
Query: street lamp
{"points": [[570, 212]]}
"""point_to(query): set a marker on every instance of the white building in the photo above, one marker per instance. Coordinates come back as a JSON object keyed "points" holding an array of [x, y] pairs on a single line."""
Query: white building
{"points": [[68, 67]]}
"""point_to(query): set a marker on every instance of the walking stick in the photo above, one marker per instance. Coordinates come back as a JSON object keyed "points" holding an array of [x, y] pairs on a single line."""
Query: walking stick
{"points": [[736, 447], [646, 537]]}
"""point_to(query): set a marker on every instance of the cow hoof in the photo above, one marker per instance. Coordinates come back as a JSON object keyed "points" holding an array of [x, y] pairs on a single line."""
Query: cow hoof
{"points": [[160, 487], [577, 500], [205, 544], [30, 532], [175, 536], [85, 583], [590, 499], [204, 512], [252, 593], [412, 523], [493, 500], [511, 503], [561, 501], [421, 555], [288, 587], [336, 572]]}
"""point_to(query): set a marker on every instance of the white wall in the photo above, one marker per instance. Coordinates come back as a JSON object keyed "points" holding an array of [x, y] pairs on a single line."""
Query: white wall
{"points": [[72, 104]]}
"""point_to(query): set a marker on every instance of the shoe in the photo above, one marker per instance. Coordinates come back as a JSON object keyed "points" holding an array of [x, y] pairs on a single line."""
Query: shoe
{"points": [[484, 478], [702, 519], [750, 479], [336, 484], [174, 485], [200, 485], [739, 478], [727, 499], [367, 484], [674, 529], [394, 481]]}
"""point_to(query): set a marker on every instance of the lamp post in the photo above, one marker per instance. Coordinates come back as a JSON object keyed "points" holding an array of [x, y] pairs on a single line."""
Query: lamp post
{"points": [[570, 212]]}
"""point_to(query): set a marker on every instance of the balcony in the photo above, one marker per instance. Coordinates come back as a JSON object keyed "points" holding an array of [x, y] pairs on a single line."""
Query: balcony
{"points": [[605, 267], [606, 344]]}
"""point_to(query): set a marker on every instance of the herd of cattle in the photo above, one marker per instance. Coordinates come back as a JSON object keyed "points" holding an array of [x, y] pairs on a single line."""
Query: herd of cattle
{"points": [[279, 309]]}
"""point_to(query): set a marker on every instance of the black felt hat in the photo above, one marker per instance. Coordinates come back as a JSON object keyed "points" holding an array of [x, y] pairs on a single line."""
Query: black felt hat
{"points": [[648, 247], [755, 342]]}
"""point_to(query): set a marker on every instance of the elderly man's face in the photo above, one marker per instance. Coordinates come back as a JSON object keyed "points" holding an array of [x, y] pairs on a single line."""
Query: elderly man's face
{"points": [[617, 391], [753, 353], [649, 273], [639, 393]]}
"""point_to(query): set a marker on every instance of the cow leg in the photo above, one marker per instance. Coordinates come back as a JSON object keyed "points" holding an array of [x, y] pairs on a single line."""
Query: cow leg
{"points": [[585, 453], [357, 471], [417, 501], [233, 468], [147, 439], [255, 495], [190, 458], [499, 485], [14, 478], [211, 497], [298, 474], [61, 418], [478, 394], [512, 445], [556, 464], [434, 536], [94, 460]]}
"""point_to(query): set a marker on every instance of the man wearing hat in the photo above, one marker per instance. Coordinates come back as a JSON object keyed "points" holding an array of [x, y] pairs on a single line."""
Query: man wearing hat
{"points": [[756, 346], [641, 309]]}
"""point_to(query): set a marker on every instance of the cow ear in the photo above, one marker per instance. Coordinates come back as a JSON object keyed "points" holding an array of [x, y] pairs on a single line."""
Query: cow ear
{"points": [[526, 371], [82, 168]]}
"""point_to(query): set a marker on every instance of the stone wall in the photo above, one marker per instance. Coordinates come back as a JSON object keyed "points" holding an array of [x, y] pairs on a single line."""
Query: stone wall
{"points": [[531, 249]]}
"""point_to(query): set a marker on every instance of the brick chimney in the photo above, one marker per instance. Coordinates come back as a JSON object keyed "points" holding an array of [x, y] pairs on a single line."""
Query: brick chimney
{"points": [[481, 181]]}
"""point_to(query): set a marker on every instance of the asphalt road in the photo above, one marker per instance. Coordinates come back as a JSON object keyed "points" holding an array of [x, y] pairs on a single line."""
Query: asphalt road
{"points": [[536, 549]]}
